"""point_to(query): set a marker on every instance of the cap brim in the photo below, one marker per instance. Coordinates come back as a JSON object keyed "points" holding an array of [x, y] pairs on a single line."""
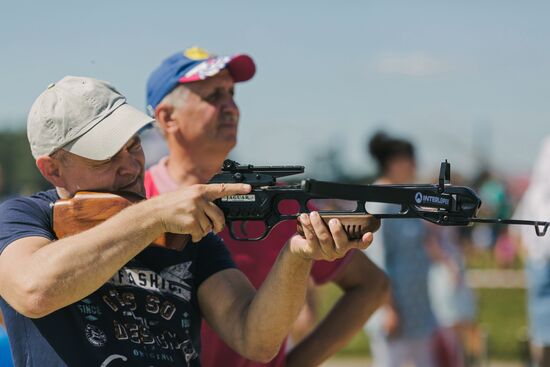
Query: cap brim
{"points": [[106, 138], [241, 68]]}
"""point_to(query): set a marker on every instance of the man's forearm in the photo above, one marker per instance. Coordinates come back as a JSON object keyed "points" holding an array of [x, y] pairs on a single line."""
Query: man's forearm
{"points": [[345, 319], [365, 289], [69, 269], [274, 309]]}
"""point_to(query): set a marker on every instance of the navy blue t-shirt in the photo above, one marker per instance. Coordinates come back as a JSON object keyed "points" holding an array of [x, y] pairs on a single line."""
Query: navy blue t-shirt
{"points": [[146, 315]]}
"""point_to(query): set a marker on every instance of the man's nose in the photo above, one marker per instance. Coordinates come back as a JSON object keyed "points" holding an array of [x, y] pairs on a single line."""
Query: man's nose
{"points": [[229, 105]]}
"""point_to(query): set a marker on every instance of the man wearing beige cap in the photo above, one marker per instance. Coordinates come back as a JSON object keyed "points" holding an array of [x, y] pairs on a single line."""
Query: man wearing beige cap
{"points": [[105, 297]]}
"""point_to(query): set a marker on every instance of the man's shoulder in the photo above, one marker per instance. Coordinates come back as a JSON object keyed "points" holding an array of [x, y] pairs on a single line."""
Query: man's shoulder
{"points": [[41, 199], [26, 216], [211, 256]]}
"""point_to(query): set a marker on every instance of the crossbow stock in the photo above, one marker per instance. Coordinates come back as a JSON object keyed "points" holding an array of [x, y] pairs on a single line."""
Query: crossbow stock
{"points": [[441, 203]]}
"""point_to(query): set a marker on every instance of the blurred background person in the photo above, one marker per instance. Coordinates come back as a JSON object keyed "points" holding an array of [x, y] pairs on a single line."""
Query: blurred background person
{"points": [[453, 301], [402, 331], [2, 185], [5, 351], [494, 196], [536, 252]]}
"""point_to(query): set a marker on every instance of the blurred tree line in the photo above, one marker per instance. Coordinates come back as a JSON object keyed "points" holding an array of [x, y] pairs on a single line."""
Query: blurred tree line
{"points": [[18, 172]]}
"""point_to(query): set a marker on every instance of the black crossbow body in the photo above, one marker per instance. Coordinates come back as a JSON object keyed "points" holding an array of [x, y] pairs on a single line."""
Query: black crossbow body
{"points": [[442, 203]]}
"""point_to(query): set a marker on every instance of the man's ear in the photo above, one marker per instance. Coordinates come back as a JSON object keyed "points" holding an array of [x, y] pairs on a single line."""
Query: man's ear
{"points": [[163, 115], [50, 168]]}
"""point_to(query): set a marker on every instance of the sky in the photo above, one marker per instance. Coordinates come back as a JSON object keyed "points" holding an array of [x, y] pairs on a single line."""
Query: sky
{"points": [[466, 81]]}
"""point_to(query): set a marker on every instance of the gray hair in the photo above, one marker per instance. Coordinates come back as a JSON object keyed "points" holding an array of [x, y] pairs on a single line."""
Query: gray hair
{"points": [[177, 96]]}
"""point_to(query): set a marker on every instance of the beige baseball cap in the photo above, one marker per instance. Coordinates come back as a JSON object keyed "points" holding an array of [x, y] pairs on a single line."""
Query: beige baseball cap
{"points": [[85, 116]]}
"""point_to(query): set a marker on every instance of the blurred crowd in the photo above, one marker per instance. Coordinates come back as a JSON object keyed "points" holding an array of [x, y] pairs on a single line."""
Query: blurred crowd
{"points": [[431, 319]]}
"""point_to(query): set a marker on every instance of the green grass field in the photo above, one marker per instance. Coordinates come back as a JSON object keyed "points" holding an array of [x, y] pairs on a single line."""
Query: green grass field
{"points": [[501, 314]]}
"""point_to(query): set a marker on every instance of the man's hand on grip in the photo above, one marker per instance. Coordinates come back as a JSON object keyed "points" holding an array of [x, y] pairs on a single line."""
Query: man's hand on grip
{"points": [[324, 242], [191, 210]]}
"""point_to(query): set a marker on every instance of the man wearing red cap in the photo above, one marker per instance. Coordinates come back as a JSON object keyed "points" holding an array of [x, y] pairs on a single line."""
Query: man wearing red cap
{"points": [[191, 95]]}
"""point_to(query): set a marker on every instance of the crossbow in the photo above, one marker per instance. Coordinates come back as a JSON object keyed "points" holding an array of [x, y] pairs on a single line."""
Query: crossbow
{"points": [[441, 203]]}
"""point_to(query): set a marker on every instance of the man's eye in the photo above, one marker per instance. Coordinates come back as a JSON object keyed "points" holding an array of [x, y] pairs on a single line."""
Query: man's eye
{"points": [[100, 164], [135, 146], [213, 97]]}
